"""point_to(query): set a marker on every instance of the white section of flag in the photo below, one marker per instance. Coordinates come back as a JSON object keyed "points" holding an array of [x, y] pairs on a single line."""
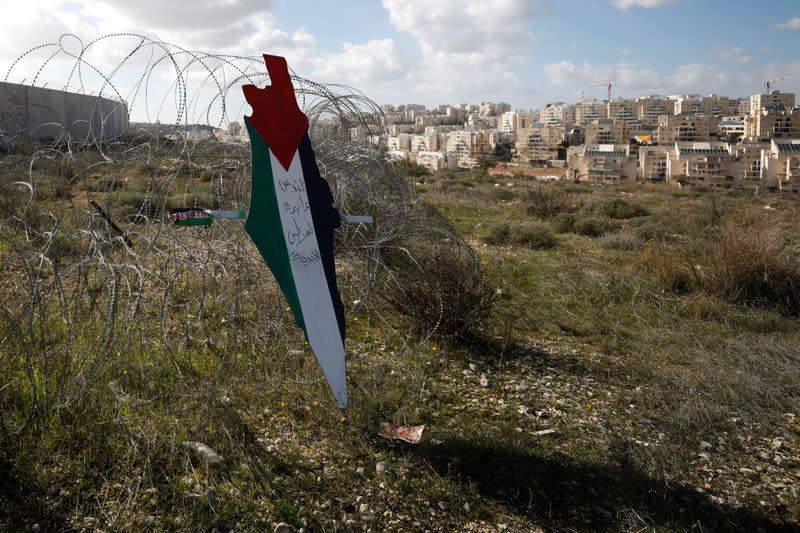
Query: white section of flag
{"points": [[322, 327]]}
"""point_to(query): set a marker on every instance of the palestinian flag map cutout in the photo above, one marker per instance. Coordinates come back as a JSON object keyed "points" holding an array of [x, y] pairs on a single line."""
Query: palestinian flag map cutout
{"points": [[292, 219]]}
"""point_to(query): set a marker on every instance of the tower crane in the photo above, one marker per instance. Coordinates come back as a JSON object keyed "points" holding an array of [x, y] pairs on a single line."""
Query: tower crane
{"points": [[768, 84], [608, 84]]}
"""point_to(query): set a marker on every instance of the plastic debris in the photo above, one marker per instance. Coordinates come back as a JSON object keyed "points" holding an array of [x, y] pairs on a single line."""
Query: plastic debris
{"points": [[410, 434]]}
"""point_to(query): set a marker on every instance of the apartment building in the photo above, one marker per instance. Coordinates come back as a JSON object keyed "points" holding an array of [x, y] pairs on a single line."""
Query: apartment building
{"points": [[774, 100], [602, 163], [399, 142], [625, 110], [649, 108], [607, 131], [513, 121], [424, 142], [492, 109], [589, 110], [772, 123], [557, 113], [434, 161], [693, 104], [468, 146], [749, 157], [731, 127], [742, 107], [706, 164], [781, 166], [686, 128], [539, 143], [653, 162]]}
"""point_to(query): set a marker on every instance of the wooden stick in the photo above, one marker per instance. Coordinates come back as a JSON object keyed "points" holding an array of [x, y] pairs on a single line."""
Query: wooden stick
{"points": [[112, 223]]}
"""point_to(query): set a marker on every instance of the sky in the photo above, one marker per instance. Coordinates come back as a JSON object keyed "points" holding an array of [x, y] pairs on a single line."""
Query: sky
{"points": [[524, 52]]}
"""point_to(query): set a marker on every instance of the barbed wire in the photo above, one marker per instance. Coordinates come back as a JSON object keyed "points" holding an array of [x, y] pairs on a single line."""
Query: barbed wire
{"points": [[89, 257]]}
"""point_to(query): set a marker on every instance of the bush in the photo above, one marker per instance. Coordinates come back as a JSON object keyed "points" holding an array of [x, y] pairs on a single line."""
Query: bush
{"points": [[536, 236], [592, 226], [619, 209], [499, 235], [409, 168], [564, 222], [547, 202], [620, 240], [441, 286], [752, 263], [669, 271], [651, 231]]}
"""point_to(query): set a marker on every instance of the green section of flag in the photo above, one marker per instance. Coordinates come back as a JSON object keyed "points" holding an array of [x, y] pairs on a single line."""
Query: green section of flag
{"points": [[197, 221], [264, 223]]}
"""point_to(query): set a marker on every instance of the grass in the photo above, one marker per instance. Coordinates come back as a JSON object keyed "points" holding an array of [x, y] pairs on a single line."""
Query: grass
{"points": [[608, 316]]}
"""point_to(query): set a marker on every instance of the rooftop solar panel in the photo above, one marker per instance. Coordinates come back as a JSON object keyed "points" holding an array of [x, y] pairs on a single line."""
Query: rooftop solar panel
{"points": [[788, 147]]}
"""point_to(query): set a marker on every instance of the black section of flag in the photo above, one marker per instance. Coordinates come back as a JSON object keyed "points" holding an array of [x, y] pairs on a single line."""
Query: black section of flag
{"points": [[325, 218]]}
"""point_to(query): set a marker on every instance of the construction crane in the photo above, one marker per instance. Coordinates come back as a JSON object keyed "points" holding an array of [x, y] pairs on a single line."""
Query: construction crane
{"points": [[608, 84], [768, 84]]}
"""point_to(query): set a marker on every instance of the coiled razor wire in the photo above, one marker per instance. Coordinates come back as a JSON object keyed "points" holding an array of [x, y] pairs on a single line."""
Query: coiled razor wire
{"points": [[89, 258]]}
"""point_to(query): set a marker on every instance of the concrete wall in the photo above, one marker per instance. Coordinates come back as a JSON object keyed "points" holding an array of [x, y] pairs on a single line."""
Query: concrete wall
{"points": [[43, 114]]}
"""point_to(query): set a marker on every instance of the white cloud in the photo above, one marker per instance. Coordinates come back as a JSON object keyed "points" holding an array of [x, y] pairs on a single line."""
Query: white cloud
{"points": [[736, 54], [468, 48], [627, 4], [373, 61], [791, 24], [634, 79], [566, 72]]}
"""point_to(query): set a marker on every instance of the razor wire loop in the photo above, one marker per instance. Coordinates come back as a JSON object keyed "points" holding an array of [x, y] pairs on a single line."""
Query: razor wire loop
{"points": [[75, 270]]}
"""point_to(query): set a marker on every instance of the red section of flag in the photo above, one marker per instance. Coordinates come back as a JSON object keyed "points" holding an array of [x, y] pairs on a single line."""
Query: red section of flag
{"points": [[276, 116]]}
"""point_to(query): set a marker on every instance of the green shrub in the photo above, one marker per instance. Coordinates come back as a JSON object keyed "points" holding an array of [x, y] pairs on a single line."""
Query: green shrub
{"points": [[499, 235], [547, 202], [651, 231], [593, 226], [619, 209], [501, 194], [564, 222], [536, 236]]}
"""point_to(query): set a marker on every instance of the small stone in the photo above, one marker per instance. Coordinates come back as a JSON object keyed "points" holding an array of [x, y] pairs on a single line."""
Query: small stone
{"points": [[36, 528], [360, 470], [363, 508], [381, 467], [705, 445], [283, 527], [466, 507], [442, 506], [777, 444], [204, 451], [764, 456], [484, 381]]}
